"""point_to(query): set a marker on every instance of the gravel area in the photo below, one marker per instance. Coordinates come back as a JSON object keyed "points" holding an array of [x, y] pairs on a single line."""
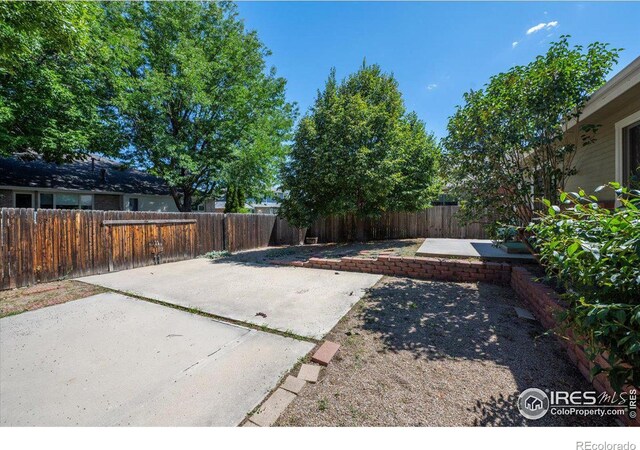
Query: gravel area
{"points": [[15, 301], [421, 353]]}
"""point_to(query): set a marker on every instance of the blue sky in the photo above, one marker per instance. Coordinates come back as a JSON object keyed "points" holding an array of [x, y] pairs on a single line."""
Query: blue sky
{"points": [[436, 50]]}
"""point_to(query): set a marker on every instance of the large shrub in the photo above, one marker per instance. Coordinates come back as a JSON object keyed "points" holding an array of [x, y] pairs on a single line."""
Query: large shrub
{"points": [[509, 142], [595, 254]]}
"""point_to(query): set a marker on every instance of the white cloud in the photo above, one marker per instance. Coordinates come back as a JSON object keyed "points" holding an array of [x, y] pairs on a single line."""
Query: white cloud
{"points": [[514, 44], [431, 87], [543, 26]]}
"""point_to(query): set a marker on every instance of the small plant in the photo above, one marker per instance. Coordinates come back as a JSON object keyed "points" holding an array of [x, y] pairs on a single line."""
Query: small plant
{"points": [[217, 254], [279, 252], [322, 404], [594, 254], [504, 233]]}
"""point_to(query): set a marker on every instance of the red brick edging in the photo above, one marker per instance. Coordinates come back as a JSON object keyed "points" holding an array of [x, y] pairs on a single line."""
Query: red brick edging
{"points": [[415, 267], [545, 305], [543, 301]]}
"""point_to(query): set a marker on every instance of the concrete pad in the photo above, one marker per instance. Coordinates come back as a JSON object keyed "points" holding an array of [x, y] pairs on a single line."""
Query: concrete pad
{"points": [[293, 384], [272, 408], [307, 302], [309, 373], [468, 248], [111, 360]]}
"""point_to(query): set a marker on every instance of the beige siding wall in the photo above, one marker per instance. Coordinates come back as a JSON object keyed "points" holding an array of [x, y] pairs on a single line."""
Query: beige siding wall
{"points": [[595, 163]]}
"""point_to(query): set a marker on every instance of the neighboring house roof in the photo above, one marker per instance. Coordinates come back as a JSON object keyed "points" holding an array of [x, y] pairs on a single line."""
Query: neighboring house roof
{"points": [[92, 173], [624, 80]]}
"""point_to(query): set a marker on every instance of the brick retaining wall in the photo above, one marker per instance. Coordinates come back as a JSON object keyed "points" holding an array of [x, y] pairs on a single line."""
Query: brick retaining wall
{"points": [[543, 301], [545, 304], [415, 267]]}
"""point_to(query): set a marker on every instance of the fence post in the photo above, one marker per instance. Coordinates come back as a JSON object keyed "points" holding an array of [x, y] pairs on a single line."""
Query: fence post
{"points": [[225, 244]]}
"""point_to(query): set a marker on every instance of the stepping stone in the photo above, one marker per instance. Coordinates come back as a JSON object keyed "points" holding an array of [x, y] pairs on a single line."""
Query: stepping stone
{"points": [[309, 372], [523, 313], [272, 408], [324, 354], [293, 384]]}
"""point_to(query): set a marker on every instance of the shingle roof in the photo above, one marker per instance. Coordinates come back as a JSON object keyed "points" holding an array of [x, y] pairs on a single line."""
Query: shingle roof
{"points": [[93, 173]]}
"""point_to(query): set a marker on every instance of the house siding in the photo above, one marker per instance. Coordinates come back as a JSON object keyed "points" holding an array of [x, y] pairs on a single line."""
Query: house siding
{"points": [[159, 203], [595, 163]]}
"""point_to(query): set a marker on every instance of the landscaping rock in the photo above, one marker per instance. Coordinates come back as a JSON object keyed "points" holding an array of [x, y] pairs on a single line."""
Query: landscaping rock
{"points": [[523, 313]]}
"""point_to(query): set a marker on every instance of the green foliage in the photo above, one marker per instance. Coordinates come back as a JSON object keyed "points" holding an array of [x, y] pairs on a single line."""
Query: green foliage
{"points": [[595, 254], [505, 233], [52, 80], [235, 200], [510, 136], [194, 98], [217, 254], [359, 151]]}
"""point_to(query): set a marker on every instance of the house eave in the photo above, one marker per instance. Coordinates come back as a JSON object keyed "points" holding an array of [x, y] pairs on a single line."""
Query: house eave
{"points": [[614, 88]]}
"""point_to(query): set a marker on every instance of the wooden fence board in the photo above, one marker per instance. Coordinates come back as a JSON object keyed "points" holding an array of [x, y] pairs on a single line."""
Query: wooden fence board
{"points": [[45, 245], [434, 222]]}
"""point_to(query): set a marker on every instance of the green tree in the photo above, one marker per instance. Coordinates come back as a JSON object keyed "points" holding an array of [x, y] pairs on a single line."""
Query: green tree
{"points": [[194, 98], [509, 145], [52, 80], [235, 200], [359, 151]]}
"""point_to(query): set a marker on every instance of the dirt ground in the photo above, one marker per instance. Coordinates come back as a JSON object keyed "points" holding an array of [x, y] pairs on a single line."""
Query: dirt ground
{"points": [[15, 301], [371, 249], [420, 353]]}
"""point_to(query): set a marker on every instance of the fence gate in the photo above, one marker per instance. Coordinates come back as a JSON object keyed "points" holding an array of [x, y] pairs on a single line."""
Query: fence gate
{"points": [[138, 243]]}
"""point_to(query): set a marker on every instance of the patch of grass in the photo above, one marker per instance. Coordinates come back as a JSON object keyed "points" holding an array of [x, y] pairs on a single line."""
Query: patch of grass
{"points": [[279, 252], [16, 301], [323, 404], [217, 254]]}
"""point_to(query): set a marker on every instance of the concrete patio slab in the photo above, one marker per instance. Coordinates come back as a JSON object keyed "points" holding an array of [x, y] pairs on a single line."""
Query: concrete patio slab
{"points": [[468, 248], [112, 360], [307, 302]]}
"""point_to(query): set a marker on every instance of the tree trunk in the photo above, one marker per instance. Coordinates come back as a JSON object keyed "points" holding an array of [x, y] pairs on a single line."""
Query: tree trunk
{"points": [[183, 202]]}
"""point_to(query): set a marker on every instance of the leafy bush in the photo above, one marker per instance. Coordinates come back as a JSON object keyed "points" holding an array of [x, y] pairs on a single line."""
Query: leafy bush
{"points": [[504, 233], [595, 254], [216, 254]]}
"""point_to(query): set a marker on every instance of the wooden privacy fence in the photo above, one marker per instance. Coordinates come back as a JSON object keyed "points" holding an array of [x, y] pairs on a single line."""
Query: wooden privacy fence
{"points": [[434, 222], [45, 244]]}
